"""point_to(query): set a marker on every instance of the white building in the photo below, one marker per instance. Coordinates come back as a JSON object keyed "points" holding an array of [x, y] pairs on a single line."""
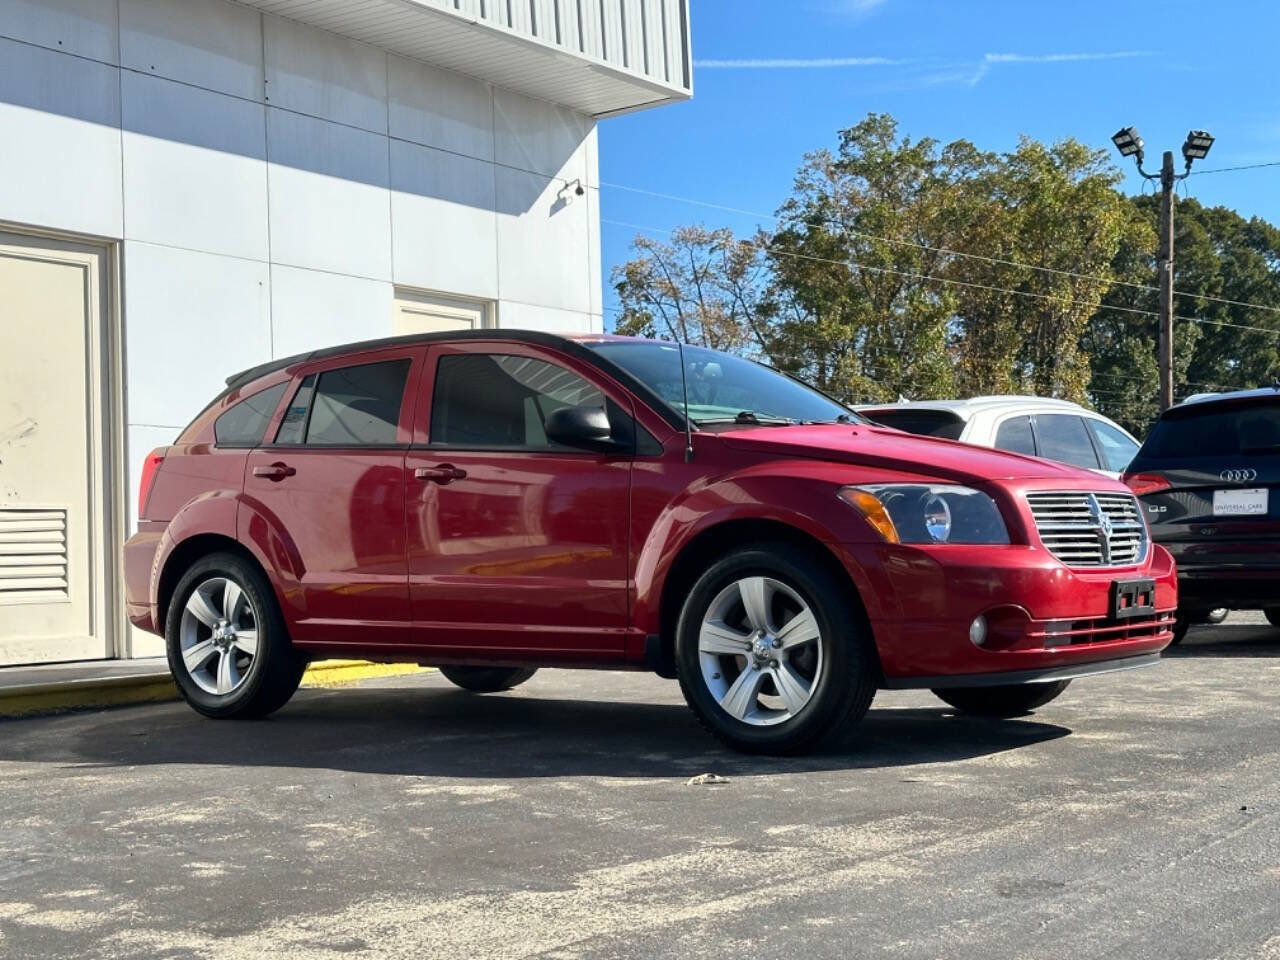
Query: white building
{"points": [[191, 187]]}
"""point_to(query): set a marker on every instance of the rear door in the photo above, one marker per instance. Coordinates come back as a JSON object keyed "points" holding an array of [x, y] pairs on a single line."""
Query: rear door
{"points": [[332, 480], [1221, 460], [515, 543], [1065, 438]]}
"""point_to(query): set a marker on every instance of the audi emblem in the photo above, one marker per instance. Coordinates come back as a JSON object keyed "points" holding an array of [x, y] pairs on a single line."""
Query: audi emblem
{"points": [[1238, 476]]}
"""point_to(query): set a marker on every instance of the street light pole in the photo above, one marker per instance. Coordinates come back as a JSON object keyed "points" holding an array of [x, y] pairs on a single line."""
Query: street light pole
{"points": [[1196, 147], [1164, 347]]}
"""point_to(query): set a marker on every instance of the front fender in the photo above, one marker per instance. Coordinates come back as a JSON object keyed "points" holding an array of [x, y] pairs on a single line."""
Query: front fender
{"points": [[797, 494]]}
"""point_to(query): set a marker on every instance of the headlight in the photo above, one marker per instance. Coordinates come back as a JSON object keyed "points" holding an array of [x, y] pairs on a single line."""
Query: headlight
{"points": [[928, 513]]}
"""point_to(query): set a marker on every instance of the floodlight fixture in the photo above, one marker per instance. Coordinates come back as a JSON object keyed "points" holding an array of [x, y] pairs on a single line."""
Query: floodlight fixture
{"points": [[1197, 145], [1128, 142]]}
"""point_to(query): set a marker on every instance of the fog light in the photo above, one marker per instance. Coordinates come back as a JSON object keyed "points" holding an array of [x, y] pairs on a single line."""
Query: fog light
{"points": [[978, 630]]}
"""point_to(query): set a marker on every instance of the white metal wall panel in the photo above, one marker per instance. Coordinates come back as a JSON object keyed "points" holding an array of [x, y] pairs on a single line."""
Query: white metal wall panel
{"points": [[86, 28], [213, 44], [60, 152]]}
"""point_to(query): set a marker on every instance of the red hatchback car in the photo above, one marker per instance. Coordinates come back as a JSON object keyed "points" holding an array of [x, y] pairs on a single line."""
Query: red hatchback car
{"points": [[496, 501]]}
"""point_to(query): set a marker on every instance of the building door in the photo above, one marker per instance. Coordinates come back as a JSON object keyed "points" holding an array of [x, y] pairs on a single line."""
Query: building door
{"points": [[55, 511], [417, 312]]}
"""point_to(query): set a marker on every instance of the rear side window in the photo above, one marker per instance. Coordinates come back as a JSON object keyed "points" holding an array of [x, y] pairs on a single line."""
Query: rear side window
{"points": [[351, 406], [245, 423], [1065, 438], [926, 423], [1015, 436], [1215, 430], [492, 400], [1117, 449]]}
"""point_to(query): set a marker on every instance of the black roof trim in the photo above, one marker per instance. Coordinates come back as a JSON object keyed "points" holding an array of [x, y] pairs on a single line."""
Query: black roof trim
{"points": [[535, 337]]}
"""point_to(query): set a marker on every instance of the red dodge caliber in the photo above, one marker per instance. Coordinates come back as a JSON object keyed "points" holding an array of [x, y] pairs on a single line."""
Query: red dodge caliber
{"points": [[495, 501]]}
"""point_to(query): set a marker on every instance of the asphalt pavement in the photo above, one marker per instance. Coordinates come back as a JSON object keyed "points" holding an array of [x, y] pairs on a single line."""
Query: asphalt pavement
{"points": [[1137, 816]]}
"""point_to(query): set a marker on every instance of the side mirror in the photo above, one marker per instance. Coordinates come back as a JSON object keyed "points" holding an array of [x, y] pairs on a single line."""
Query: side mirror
{"points": [[585, 427]]}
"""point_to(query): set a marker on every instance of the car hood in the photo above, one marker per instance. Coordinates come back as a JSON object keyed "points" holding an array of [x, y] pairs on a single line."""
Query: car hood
{"points": [[889, 449]]}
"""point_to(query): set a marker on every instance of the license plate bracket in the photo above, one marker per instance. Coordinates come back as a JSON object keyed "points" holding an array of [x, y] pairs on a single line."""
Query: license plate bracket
{"points": [[1132, 598]]}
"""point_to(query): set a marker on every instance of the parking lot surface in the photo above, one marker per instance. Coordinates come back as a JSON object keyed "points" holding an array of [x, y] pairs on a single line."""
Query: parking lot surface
{"points": [[1137, 816]]}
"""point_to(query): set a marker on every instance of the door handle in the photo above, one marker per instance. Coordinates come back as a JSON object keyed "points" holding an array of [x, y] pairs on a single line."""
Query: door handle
{"points": [[445, 473], [276, 471]]}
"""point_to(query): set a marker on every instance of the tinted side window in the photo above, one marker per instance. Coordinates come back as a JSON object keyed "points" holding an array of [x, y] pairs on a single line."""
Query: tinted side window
{"points": [[1117, 449], [501, 400], [1066, 439], [244, 424], [1015, 436], [356, 405]]}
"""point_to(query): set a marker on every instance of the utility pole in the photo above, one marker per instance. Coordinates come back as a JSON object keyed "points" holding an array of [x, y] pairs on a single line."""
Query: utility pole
{"points": [[1164, 348], [1196, 147]]}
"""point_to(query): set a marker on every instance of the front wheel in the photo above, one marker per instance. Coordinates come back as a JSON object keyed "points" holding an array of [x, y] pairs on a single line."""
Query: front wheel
{"points": [[1011, 701], [229, 651], [769, 651], [487, 679]]}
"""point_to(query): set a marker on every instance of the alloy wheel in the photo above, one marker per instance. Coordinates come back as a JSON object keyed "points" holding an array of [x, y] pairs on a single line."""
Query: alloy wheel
{"points": [[760, 650], [219, 636]]}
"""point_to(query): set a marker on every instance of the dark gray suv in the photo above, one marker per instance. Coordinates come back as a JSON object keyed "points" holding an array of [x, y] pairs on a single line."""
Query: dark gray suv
{"points": [[1208, 477]]}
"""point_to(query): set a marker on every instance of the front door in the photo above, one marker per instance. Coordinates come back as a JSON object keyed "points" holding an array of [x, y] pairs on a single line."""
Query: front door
{"points": [[332, 479], [515, 543], [54, 505]]}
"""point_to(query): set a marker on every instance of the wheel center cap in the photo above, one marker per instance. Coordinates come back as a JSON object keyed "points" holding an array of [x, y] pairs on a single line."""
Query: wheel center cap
{"points": [[762, 649]]}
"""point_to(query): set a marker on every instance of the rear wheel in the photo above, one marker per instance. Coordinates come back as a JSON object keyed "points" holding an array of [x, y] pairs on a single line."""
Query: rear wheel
{"points": [[1273, 615], [1010, 701], [228, 648], [487, 679], [770, 654], [1181, 624]]}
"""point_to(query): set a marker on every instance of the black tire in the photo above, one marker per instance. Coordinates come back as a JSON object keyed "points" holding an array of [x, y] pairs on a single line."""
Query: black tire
{"points": [[1181, 624], [850, 672], [276, 668], [487, 679], [1011, 701], [1273, 615]]}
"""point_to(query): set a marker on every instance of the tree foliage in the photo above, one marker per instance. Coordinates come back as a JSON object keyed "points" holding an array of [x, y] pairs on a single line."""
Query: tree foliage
{"points": [[902, 267]]}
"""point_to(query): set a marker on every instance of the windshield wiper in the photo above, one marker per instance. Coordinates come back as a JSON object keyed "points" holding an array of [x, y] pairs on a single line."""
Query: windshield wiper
{"points": [[753, 419], [840, 418]]}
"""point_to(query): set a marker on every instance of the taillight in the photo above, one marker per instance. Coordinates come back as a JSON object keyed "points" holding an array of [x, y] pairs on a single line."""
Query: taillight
{"points": [[1145, 483], [150, 467]]}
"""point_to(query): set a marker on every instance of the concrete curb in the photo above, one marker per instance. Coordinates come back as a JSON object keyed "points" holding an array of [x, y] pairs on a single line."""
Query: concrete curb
{"points": [[156, 687]]}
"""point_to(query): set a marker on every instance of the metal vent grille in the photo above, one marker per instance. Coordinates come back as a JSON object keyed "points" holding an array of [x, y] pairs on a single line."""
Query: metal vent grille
{"points": [[33, 552], [1090, 529]]}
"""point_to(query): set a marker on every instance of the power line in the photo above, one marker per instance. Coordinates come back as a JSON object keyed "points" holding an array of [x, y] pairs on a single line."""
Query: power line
{"points": [[967, 283], [943, 250], [1244, 166]]}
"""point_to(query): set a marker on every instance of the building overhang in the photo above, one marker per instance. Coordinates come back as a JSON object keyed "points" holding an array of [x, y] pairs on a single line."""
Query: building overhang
{"points": [[597, 59]]}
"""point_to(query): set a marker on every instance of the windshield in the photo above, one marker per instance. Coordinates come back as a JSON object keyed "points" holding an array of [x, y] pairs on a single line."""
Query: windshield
{"points": [[722, 388]]}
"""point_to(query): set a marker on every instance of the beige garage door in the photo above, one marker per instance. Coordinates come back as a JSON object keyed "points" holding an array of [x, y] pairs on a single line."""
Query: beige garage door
{"points": [[417, 312], [53, 569]]}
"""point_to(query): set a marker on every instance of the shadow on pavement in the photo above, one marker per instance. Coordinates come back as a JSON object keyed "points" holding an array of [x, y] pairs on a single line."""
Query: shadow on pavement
{"points": [[1229, 640], [428, 731]]}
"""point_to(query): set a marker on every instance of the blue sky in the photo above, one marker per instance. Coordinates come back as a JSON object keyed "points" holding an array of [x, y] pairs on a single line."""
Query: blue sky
{"points": [[774, 79]]}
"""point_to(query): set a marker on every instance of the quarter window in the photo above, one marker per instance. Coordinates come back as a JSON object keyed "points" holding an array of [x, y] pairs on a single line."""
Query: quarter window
{"points": [[1015, 436], [492, 400], [1065, 438], [245, 423]]}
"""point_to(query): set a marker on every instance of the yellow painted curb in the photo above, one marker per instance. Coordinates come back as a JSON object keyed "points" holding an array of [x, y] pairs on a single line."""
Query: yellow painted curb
{"points": [[334, 673], [119, 691]]}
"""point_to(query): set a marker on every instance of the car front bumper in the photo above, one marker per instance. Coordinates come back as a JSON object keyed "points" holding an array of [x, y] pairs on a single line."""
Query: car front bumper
{"points": [[1045, 621]]}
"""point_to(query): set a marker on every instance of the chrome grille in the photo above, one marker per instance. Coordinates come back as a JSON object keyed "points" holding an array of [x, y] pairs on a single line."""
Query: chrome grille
{"points": [[1085, 529]]}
